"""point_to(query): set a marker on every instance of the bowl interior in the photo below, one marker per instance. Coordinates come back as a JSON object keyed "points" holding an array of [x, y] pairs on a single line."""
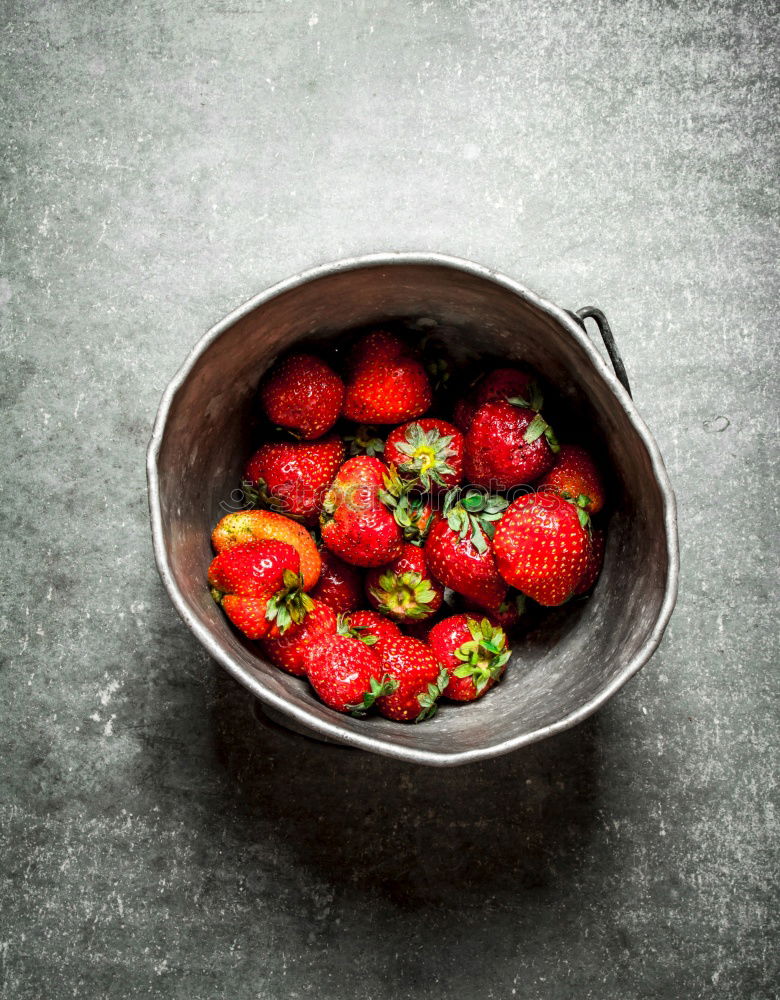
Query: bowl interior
{"points": [[575, 653]]}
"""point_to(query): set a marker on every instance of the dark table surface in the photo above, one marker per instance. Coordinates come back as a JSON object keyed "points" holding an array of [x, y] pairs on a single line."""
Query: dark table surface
{"points": [[165, 161]]}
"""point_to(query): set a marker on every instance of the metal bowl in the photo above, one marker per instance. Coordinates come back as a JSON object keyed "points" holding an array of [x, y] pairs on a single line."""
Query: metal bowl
{"points": [[563, 669]]}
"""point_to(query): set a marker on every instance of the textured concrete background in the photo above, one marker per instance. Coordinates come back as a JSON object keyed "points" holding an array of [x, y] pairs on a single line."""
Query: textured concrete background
{"points": [[163, 162]]}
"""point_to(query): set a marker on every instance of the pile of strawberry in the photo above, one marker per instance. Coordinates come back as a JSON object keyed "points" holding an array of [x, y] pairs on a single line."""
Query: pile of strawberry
{"points": [[481, 512]]}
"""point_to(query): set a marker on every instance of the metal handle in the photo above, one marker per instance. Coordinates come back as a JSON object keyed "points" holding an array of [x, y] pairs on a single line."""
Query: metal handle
{"points": [[591, 312]]}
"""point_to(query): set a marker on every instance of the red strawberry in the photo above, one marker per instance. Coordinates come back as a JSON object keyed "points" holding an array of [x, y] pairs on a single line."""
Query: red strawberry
{"points": [[508, 446], [303, 394], [575, 476], [428, 452], [503, 383], [258, 525], [370, 627], [541, 547], [594, 564], [404, 589], [413, 512], [259, 587], [387, 384], [459, 550], [293, 476], [346, 674], [507, 614], [288, 650], [420, 680], [474, 652], [340, 585], [356, 525]]}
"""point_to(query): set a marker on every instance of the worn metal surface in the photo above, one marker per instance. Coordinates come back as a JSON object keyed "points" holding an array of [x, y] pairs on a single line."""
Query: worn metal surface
{"points": [[564, 668]]}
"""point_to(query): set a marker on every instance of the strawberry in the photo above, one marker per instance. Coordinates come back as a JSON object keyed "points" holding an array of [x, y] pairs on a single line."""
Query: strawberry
{"points": [[508, 445], [474, 652], [575, 477], [502, 383], [419, 676], [292, 477], [257, 525], [340, 585], [387, 385], [302, 394], [404, 589], [346, 674], [259, 587], [287, 651], [365, 441], [594, 564], [355, 524], [541, 547], [428, 452], [459, 550], [507, 614], [370, 627], [413, 512]]}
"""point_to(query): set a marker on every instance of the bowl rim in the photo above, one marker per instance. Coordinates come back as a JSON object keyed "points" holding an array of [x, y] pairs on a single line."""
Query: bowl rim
{"points": [[333, 731]]}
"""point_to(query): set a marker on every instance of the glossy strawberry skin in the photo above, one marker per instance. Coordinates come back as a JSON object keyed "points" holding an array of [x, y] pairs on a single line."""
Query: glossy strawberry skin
{"points": [[403, 589], [413, 665], [387, 385], [541, 547], [244, 526], [253, 569], [595, 561], [428, 458], [502, 383], [573, 475], [245, 578], [248, 614], [457, 564], [372, 624], [303, 394], [445, 639], [356, 526], [295, 475], [369, 538], [340, 585], [288, 651], [340, 670], [497, 455]]}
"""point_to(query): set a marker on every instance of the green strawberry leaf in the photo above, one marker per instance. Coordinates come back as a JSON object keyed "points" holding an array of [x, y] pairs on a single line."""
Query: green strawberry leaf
{"points": [[535, 429]]}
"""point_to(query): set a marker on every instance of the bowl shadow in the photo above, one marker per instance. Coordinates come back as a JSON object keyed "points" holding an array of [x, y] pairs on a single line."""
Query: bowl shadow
{"points": [[416, 835]]}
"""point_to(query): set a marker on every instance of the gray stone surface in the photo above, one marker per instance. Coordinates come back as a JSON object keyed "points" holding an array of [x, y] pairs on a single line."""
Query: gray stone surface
{"points": [[163, 162]]}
